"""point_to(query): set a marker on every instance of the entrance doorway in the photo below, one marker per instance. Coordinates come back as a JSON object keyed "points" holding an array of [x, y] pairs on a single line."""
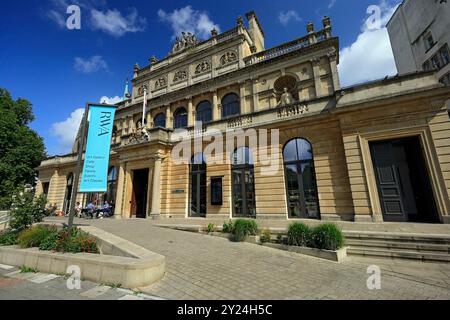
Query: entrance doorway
{"points": [[198, 186], [243, 183], [139, 194], [402, 179]]}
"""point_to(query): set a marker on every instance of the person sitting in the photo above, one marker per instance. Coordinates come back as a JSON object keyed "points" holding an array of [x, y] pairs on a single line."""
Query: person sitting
{"points": [[78, 210], [90, 209], [105, 211]]}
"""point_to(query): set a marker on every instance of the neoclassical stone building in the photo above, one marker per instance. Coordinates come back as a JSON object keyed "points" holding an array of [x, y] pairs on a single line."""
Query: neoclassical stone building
{"points": [[377, 151]]}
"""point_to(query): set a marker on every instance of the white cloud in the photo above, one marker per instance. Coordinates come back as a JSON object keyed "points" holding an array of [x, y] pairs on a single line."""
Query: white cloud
{"points": [[112, 100], [91, 65], [189, 20], [57, 18], [67, 130], [114, 23], [331, 4], [286, 17], [370, 57]]}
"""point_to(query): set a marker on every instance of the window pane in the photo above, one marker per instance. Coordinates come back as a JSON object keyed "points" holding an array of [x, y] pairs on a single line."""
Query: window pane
{"points": [[180, 118], [304, 150], [160, 121], [310, 190], [204, 112], [290, 151], [230, 105]]}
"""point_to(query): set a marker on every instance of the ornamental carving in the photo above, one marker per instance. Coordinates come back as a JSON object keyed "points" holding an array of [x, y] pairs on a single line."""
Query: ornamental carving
{"points": [[228, 57], [180, 75], [160, 83], [202, 67], [187, 40], [141, 90]]}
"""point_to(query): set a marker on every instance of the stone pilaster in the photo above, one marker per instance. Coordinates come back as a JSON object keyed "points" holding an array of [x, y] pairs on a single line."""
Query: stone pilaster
{"points": [[215, 106], [332, 56], [190, 112], [156, 185], [316, 71]]}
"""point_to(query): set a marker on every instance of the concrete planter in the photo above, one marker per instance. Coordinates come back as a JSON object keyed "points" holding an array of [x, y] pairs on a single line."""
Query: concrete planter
{"points": [[121, 261], [338, 255]]}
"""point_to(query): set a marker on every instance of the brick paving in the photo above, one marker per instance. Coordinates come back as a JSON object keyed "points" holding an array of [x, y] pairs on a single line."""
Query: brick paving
{"points": [[206, 267]]}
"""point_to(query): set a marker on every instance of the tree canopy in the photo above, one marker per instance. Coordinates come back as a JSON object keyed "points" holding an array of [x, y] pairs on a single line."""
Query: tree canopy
{"points": [[21, 148]]}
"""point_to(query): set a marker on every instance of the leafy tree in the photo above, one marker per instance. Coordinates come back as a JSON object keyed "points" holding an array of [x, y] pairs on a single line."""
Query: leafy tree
{"points": [[21, 148]]}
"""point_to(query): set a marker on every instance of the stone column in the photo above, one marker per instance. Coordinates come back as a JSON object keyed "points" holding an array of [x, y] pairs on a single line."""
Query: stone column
{"points": [[215, 106], [156, 186], [190, 112], [168, 117], [316, 71], [255, 95], [120, 190], [242, 98], [332, 56]]}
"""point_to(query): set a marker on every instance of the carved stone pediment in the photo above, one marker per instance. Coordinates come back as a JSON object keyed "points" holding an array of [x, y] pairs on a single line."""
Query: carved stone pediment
{"points": [[160, 83], [202, 67], [228, 57], [141, 89], [180, 75], [186, 40]]}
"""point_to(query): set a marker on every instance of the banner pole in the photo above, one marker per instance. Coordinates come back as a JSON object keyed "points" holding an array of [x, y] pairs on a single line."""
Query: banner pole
{"points": [[73, 197]]}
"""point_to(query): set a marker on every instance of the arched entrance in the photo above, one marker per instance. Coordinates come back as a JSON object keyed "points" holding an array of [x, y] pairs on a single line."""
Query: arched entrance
{"points": [[301, 186]]}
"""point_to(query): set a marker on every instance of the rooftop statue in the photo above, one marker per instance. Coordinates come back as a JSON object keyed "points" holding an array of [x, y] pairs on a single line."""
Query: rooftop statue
{"points": [[187, 40]]}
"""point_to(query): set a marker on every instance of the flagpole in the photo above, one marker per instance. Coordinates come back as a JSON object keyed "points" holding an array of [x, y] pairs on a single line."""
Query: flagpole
{"points": [[144, 105], [78, 169]]}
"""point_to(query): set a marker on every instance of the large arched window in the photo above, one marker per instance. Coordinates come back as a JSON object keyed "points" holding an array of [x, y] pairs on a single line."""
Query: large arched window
{"points": [[230, 105], [301, 186], [243, 183], [180, 118], [204, 112], [159, 121], [112, 179], [198, 180], [68, 195]]}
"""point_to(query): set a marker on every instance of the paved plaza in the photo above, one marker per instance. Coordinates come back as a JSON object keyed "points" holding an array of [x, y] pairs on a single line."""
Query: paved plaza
{"points": [[207, 267]]}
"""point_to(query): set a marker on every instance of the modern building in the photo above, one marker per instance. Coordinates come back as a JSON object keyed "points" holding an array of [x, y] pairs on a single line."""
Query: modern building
{"points": [[420, 37], [378, 151]]}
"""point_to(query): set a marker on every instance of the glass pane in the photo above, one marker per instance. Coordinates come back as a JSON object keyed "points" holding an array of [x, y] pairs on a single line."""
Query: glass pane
{"points": [[304, 150], [230, 105], [290, 151], [160, 121], [204, 112], [310, 190], [194, 191], [242, 156], [250, 192], [203, 194], [293, 190], [180, 118]]}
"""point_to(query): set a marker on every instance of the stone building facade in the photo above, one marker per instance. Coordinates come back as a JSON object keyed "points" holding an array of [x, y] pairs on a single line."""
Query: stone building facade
{"points": [[379, 151], [420, 37]]}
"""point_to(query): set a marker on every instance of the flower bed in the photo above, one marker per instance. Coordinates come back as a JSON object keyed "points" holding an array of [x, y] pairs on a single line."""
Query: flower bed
{"points": [[49, 238]]}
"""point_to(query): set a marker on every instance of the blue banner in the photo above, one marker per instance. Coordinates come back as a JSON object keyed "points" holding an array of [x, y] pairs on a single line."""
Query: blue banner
{"points": [[96, 159]]}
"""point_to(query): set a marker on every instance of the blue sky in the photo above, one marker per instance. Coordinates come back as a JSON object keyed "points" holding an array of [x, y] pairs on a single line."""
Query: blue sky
{"points": [[59, 70]]}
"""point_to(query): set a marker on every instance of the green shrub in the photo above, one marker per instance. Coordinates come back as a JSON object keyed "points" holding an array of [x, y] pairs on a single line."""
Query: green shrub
{"points": [[328, 237], [49, 243], [299, 234], [210, 228], [8, 237], [26, 210], [228, 227], [266, 236], [34, 236], [25, 269], [244, 228], [75, 241]]}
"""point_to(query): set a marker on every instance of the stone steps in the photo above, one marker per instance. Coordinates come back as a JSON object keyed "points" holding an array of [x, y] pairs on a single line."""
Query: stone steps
{"points": [[401, 246]]}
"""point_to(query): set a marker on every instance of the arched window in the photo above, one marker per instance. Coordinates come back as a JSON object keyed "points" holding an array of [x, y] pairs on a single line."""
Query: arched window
{"points": [[301, 186], [180, 118], [198, 186], [243, 183], [204, 112], [160, 120], [112, 179], [230, 105], [68, 195]]}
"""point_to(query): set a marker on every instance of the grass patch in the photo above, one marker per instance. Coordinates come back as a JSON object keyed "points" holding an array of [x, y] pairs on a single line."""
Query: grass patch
{"points": [[25, 269]]}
